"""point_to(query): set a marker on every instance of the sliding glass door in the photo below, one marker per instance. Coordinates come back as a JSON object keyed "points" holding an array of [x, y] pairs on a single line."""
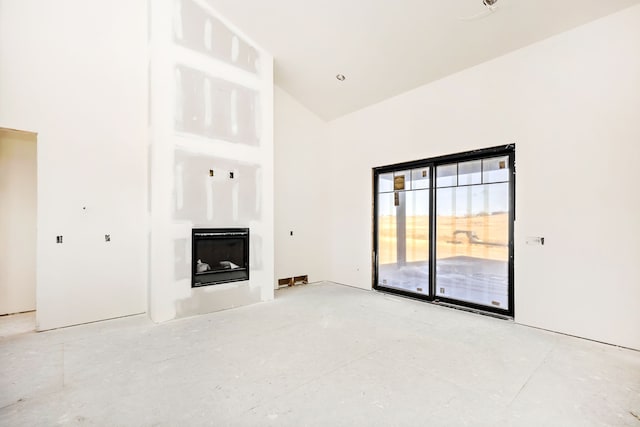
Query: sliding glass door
{"points": [[472, 231], [403, 230], [443, 229]]}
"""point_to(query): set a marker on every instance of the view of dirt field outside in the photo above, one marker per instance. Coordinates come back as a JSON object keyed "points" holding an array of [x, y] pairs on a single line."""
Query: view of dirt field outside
{"points": [[492, 229]]}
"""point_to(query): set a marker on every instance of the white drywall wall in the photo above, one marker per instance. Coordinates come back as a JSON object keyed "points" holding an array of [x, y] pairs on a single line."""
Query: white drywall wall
{"points": [[571, 105], [75, 72], [211, 94], [301, 194], [18, 198]]}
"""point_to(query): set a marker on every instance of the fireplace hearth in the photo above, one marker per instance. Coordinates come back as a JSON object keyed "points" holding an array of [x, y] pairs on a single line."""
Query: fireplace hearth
{"points": [[219, 255]]}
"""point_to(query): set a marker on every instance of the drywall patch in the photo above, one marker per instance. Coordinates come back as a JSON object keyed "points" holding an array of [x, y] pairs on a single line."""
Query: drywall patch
{"points": [[182, 259], [256, 250], [218, 199], [215, 108], [197, 29], [219, 297], [149, 177]]}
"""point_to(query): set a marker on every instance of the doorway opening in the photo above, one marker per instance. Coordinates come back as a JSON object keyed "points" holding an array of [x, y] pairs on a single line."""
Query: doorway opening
{"points": [[18, 216], [443, 229]]}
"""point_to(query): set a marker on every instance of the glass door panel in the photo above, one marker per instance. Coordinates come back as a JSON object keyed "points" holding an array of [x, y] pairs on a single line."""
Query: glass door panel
{"points": [[387, 229], [403, 234], [472, 243]]}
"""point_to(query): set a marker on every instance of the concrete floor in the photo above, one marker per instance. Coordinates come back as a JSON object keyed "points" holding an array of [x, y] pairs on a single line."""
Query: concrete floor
{"points": [[319, 355]]}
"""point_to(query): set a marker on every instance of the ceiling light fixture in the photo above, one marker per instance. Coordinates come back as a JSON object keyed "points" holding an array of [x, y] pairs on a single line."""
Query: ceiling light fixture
{"points": [[491, 6], [341, 77]]}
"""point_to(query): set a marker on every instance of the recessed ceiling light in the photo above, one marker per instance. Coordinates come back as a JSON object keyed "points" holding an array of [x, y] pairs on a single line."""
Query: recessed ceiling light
{"points": [[341, 77]]}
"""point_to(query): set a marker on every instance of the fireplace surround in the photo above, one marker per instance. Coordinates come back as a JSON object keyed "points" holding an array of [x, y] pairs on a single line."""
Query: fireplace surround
{"points": [[219, 255]]}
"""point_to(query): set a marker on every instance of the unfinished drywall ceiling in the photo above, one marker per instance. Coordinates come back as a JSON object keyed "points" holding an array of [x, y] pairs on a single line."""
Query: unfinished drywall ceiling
{"points": [[385, 48], [211, 154]]}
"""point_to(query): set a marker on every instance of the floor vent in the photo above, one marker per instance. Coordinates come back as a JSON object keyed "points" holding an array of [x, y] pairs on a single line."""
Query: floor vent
{"points": [[292, 281]]}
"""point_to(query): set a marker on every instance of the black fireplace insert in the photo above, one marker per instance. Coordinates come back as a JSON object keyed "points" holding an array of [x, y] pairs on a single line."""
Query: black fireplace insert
{"points": [[220, 255]]}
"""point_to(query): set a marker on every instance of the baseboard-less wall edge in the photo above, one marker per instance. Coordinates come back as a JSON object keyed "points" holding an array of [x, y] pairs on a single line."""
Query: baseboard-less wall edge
{"points": [[19, 312], [94, 321], [578, 337], [347, 285]]}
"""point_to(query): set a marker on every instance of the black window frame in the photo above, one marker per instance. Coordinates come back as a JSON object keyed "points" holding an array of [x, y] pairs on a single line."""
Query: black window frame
{"points": [[432, 163]]}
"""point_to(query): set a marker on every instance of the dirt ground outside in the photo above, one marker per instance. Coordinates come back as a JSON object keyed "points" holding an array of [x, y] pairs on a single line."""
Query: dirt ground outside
{"points": [[485, 236]]}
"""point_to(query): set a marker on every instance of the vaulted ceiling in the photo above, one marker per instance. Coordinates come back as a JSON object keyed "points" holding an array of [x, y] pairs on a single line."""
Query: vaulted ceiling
{"points": [[386, 47]]}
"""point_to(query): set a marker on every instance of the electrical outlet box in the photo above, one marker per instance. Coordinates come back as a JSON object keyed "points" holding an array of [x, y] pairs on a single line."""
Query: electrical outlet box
{"points": [[535, 241]]}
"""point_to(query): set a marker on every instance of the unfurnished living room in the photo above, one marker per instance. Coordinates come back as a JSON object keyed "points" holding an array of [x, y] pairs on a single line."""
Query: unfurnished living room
{"points": [[292, 213]]}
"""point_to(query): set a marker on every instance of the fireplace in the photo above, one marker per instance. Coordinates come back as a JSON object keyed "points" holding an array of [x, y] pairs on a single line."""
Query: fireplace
{"points": [[219, 255]]}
